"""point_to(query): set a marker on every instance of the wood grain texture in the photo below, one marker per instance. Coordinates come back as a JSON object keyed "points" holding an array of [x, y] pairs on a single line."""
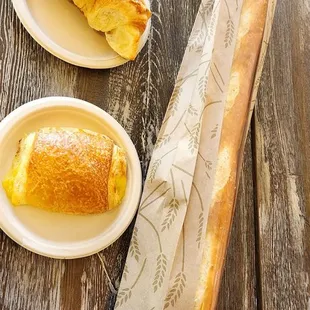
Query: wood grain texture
{"points": [[282, 129], [137, 95], [239, 282]]}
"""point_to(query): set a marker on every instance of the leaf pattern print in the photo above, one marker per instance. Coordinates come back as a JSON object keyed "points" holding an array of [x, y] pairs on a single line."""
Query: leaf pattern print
{"points": [[125, 272], [134, 247], [197, 40], [171, 215], [179, 283], [202, 86], [214, 131], [211, 28], [194, 138], [209, 166], [154, 169], [156, 165], [237, 5], [192, 110], [161, 269], [123, 297], [165, 138], [198, 36], [230, 31], [200, 227], [163, 141], [174, 101], [125, 294], [207, 8], [176, 290]]}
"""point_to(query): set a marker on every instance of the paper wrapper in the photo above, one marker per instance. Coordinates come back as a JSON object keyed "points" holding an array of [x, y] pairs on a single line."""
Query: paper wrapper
{"points": [[163, 267]]}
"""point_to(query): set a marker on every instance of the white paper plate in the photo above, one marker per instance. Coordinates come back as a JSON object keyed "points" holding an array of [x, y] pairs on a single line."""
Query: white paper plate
{"points": [[60, 27], [59, 235]]}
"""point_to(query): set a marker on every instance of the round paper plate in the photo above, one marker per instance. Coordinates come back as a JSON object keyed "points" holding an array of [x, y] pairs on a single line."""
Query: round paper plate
{"points": [[60, 27], [60, 235]]}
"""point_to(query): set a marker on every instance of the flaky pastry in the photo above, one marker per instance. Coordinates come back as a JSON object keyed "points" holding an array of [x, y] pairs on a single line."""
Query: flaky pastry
{"points": [[123, 22], [67, 170]]}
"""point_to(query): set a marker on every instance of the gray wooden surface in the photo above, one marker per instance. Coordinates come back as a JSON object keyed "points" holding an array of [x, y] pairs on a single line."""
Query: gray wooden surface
{"points": [[268, 261], [282, 139]]}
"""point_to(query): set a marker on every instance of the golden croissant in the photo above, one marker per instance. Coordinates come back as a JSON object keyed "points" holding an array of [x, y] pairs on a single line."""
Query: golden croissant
{"points": [[67, 170], [123, 21]]}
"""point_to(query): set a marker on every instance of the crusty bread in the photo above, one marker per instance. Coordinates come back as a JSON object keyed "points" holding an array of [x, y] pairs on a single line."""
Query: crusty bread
{"points": [[67, 170], [230, 153], [123, 21]]}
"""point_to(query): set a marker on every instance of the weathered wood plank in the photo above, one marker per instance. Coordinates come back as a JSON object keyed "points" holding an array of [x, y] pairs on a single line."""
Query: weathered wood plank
{"points": [[140, 91], [136, 94], [282, 128], [238, 289]]}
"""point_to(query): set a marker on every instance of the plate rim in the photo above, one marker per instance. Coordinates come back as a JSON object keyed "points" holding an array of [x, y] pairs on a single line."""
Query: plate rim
{"points": [[22, 10], [49, 250]]}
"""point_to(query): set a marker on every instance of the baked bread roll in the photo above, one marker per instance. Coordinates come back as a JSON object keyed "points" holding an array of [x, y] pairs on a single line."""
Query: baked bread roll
{"points": [[123, 22], [251, 29], [67, 170]]}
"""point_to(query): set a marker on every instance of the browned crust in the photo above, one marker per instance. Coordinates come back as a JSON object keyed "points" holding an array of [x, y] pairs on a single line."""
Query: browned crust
{"points": [[128, 14], [142, 10], [233, 132], [138, 20], [69, 172]]}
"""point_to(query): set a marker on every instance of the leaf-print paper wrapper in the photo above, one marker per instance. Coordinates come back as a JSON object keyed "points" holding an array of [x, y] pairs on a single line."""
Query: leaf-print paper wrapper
{"points": [[163, 265]]}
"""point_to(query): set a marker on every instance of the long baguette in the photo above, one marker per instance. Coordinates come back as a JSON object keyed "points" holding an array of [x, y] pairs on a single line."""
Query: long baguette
{"points": [[246, 56]]}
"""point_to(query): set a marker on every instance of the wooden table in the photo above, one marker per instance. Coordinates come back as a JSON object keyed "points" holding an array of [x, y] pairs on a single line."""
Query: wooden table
{"points": [[268, 264]]}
